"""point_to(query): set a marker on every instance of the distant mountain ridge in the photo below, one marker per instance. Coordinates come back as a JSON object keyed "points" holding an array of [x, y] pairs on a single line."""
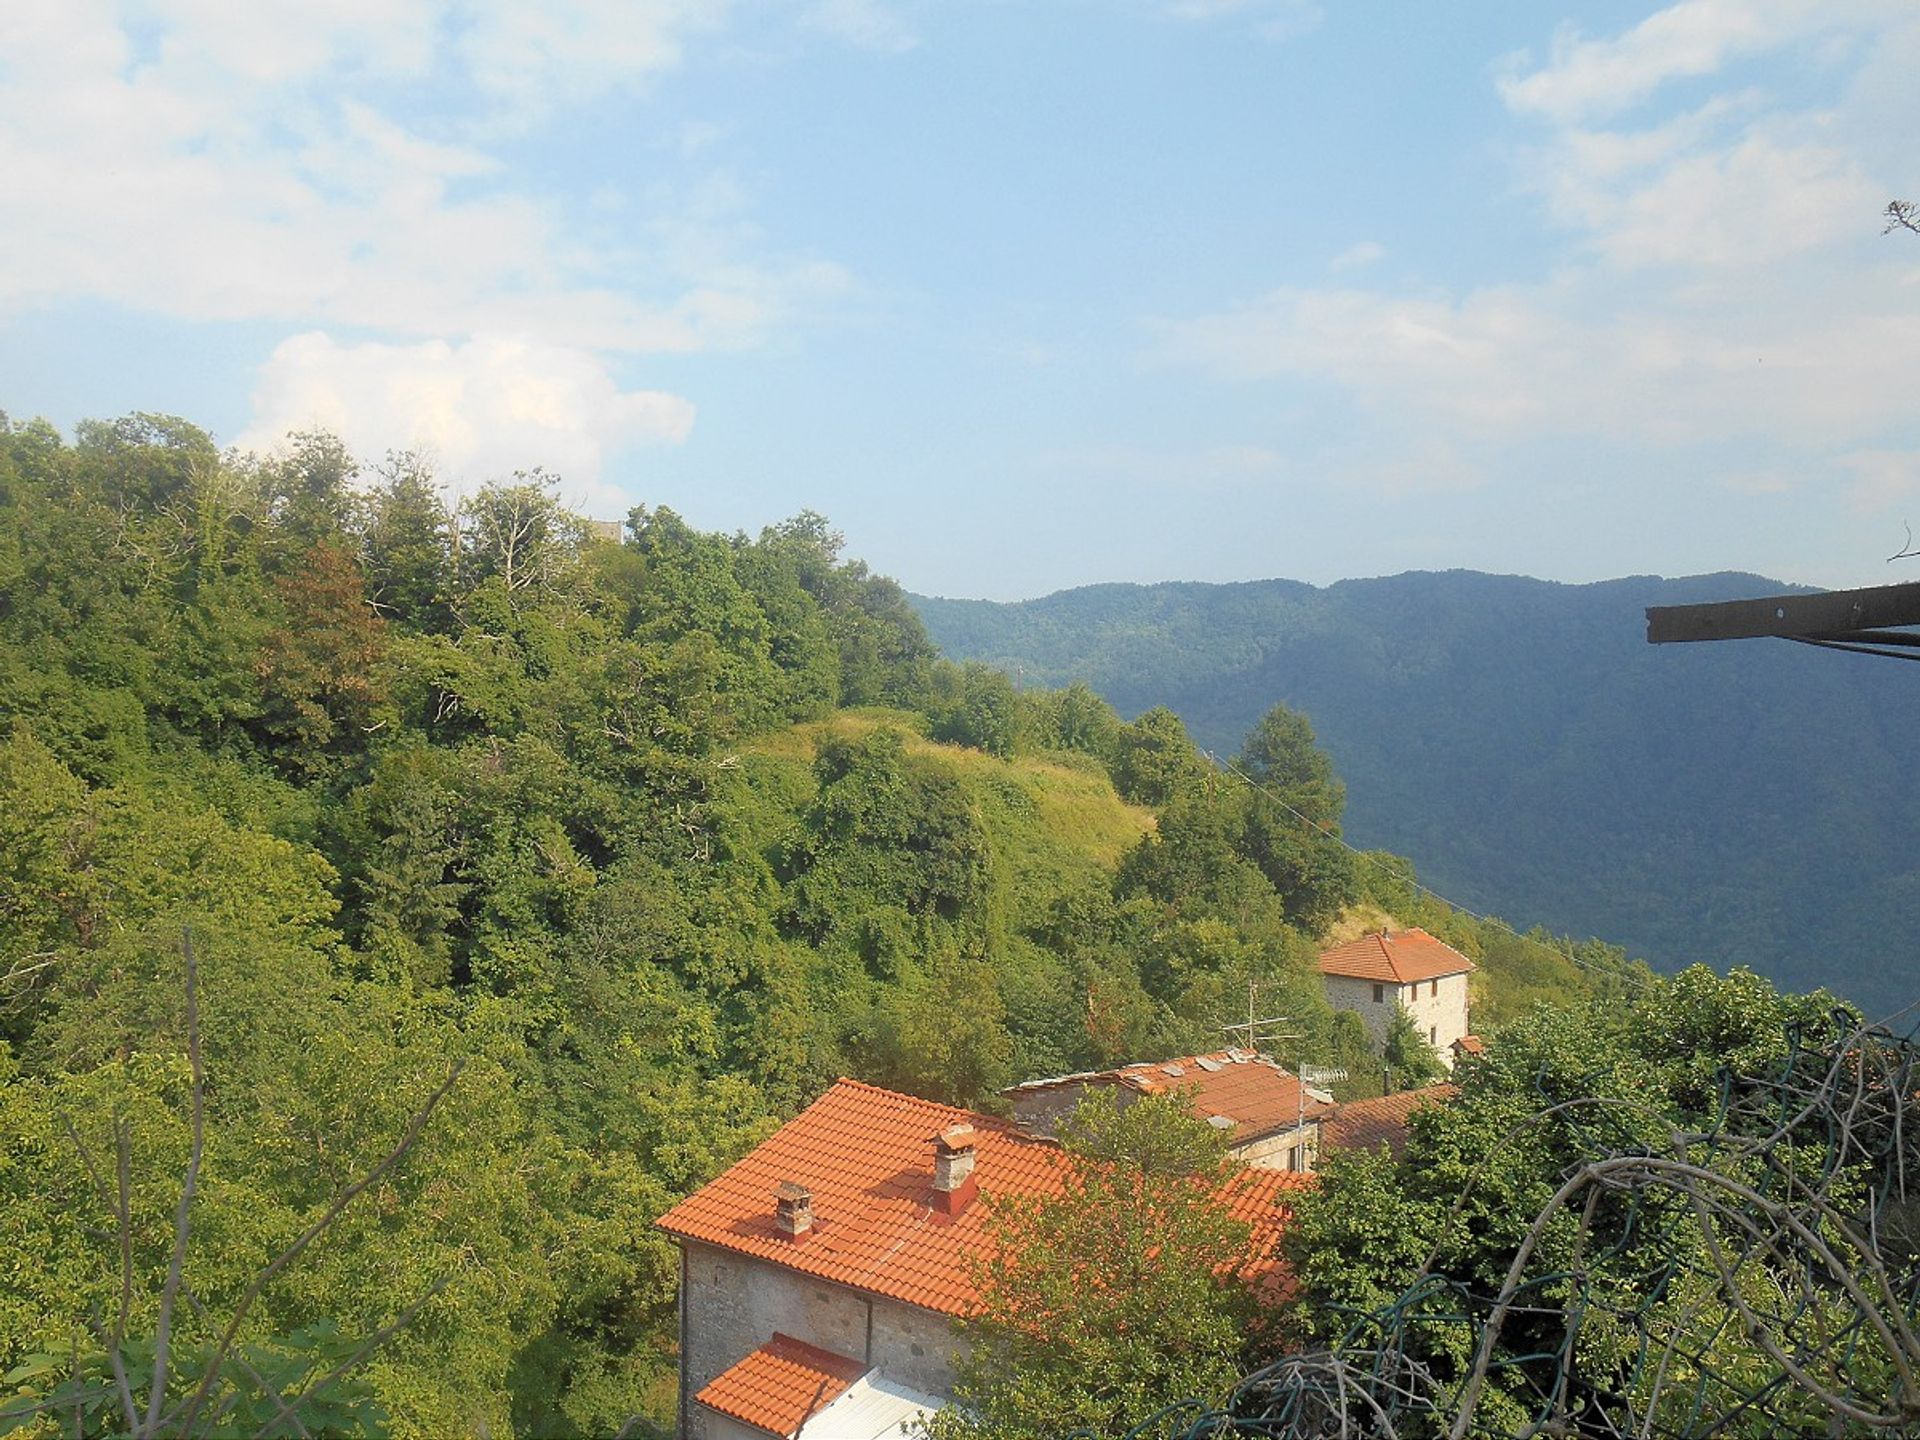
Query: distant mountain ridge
{"points": [[1753, 802]]}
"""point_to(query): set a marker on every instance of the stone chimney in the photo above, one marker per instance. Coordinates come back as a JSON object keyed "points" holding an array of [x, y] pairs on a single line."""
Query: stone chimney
{"points": [[953, 1182], [793, 1210]]}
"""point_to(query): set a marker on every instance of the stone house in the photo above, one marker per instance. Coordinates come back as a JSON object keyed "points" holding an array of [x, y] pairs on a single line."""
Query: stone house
{"points": [[1271, 1119], [821, 1276], [1389, 970]]}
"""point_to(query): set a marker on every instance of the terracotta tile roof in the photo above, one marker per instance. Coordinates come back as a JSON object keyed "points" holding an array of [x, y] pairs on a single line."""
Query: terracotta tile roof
{"points": [[781, 1384], [1258, 1095], [867, 1156], [1470, 1045], [1399, 956], [1363, 1124]]}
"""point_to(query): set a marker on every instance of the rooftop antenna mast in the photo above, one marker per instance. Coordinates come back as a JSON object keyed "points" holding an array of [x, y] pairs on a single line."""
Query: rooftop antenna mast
{"points": [[1259, 1033]]}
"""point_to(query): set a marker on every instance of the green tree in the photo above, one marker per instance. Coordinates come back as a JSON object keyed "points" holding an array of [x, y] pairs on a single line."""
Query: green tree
{"points": [[406, 545], [980, 709], [1154, 759], [1291, 826], [1077, 719], [945, 1037], [1115, 1298], [1408, 1054], [1413, 1238]]}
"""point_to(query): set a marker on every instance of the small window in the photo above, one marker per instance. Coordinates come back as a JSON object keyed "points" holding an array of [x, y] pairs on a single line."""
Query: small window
{"points": [[1436, 990], [1433, 1034], [1379, 993]]}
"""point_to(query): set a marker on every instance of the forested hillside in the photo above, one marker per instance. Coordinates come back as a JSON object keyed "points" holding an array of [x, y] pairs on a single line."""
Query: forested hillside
{"points": [[1748, 803], [631, 845]]}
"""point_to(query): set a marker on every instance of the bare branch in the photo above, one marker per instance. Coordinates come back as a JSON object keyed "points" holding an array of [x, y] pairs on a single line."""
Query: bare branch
{"points": [[266, 1385], [176, 1262], [182, 1417], [346, 1367]]}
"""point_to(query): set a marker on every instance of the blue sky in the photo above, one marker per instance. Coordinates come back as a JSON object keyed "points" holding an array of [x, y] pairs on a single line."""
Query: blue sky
{"points": [[1022, 294]]}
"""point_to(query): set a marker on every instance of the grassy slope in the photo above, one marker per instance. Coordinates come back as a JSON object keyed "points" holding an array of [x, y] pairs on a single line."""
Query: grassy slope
{"points": [[1057, 803], [1052, 819]]}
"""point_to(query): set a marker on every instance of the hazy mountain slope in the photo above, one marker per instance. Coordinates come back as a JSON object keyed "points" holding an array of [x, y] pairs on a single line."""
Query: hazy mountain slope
{"points": [[1752, 802]]}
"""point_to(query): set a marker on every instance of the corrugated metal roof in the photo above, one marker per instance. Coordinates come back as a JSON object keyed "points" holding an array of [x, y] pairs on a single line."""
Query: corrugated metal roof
{"points": [[875, 1407]]}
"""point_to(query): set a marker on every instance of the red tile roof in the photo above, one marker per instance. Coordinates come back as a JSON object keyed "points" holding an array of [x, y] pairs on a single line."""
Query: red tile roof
{"points": [[780, 1385], [1363, 1124], [867, 1156], [1258, 1095], [1470, 1045], [1400, 956]]}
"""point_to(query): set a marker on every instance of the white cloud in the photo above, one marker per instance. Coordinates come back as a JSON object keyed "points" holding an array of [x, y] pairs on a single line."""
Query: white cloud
{"points": [[226, 161], [1205, 468], [527, 53], [1880, 479], [1721, 278], [481, 409], [1585, 77], [1759, 482], [1717, 188], [1570, 359], [1388, 465], [869, 24], [1358, 256]]}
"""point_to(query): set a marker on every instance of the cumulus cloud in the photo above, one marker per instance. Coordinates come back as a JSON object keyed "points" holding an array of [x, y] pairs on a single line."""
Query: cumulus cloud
{"points": [[235, 162], [1585, 77], [480, 409], [1720, 280]]}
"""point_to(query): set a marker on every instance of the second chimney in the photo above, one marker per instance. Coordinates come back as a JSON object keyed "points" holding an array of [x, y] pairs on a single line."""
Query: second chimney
{"points": [[793, 1210], [953, 1184]]}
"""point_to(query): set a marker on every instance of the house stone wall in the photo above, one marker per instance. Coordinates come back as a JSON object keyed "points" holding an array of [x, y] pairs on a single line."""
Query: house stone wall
{"points": [[1443, 1015], [1269, 1152], [732, 1304]]}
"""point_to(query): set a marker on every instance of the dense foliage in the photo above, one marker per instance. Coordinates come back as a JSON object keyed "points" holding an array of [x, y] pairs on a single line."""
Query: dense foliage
{"points": [[1117, 1298], [1539, 757], [1633, 1175], [650, 835]]}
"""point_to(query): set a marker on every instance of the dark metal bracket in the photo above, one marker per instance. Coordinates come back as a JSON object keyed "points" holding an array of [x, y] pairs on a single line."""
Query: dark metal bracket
{"points": [[1865, 621]]}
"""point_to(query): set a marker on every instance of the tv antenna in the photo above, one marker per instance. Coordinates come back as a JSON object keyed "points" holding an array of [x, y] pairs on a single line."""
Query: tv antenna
{"points": [[1259, 1034]]}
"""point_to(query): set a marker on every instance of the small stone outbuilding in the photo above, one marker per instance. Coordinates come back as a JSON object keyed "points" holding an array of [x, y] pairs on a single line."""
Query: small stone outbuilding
{"points": [[1270, 1119]]}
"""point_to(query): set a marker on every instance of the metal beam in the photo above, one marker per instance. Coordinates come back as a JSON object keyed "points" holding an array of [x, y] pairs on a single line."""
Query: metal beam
{"points": [[1829, 614]]}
